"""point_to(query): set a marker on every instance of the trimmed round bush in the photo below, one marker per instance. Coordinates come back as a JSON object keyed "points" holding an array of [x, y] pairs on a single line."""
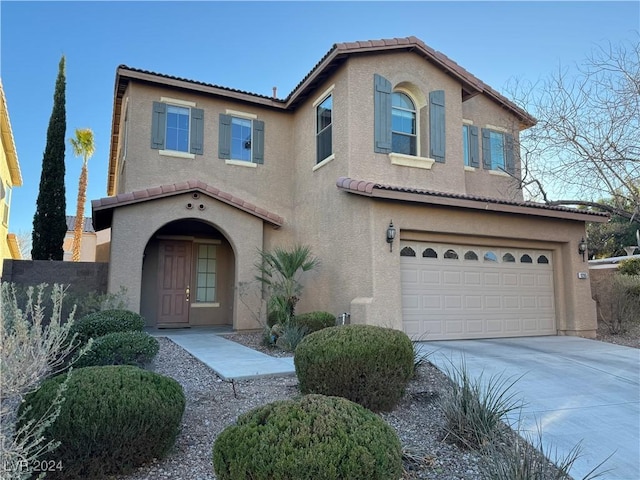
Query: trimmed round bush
{"points": [[314, 437], [101, 323], [113, 419], [368, 365], [120, 348], [315, 321]]}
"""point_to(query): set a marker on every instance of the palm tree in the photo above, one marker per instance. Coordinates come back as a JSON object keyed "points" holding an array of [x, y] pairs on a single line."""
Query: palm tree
{"points": [[280, 271], [83, 145]]}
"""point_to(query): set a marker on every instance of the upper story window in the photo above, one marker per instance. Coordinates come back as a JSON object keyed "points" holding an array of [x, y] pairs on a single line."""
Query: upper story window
{"points": [[241, 137], [177, 126], [403, 124], [470, 146], [396, 126], [324, 122], [177, 129], [497, 151]]}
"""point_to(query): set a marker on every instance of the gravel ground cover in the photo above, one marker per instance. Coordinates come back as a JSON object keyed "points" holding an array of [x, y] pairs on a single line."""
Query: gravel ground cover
{"points": [[213, 404]]}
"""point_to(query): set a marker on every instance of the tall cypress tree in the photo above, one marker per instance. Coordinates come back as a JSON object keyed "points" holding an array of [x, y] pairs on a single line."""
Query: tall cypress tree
{"points": [[49, 221]]}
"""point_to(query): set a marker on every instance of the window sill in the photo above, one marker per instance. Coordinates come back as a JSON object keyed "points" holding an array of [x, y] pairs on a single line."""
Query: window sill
{"points": [[467, 168], [205, 304], [174, 153], [411, 161], [499, 173], [241, 163], [324, 162]]}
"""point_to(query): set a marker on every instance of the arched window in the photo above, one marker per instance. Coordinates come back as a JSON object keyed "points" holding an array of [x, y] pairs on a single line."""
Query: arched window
{"points": [[490, 257], [508, 258], [526, 259], [543, 259], [451, 254], [407, 252], [429, 253], [403, 124], [471, 255]]}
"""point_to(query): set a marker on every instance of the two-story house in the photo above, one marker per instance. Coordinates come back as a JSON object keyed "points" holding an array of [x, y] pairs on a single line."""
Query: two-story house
{"points": [[10, 177], [201, 177]]}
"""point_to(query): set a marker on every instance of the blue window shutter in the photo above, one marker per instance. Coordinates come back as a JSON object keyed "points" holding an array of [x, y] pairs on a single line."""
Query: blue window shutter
{"points": [[509, 157], [382, 114], [224, 137], [438, 139], [486, 148], [257, 149], [197, 131], [474, 152], [158, 125]]}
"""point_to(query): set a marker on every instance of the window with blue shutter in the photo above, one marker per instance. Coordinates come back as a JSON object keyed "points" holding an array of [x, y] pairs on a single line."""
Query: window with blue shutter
{"points": [[470, 146], [177, 128], [498, 151], [437, 126], [241, 139], [382, 114]]}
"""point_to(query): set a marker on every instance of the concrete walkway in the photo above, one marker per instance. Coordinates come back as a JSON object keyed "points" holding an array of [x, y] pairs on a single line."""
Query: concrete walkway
{"points": [[230, 360], [575, 390]]}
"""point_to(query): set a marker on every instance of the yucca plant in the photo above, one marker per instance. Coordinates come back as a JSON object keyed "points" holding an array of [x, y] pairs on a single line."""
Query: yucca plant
{"points": [[474, 409]]}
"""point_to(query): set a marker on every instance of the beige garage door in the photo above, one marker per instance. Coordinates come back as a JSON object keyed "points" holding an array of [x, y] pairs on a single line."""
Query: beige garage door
{"points": [[461, 291]]}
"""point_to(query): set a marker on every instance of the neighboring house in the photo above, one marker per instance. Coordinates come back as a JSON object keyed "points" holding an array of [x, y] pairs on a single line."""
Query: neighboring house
{"points": [[9, 177], [201, 177], [87, 244]]}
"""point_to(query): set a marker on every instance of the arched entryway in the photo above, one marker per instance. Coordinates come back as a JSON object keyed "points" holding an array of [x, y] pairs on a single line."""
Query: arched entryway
{"points": [[188, 276]]}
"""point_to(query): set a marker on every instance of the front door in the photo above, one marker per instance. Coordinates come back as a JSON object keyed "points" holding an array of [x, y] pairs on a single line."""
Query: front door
{"points": [[174, 274]]}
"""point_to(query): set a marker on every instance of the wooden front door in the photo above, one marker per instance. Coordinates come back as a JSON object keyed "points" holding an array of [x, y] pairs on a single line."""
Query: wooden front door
{"points": [[174, 274]]}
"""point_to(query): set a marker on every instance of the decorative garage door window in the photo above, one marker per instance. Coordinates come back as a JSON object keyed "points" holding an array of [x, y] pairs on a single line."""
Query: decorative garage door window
{"points": [[474, 254]]}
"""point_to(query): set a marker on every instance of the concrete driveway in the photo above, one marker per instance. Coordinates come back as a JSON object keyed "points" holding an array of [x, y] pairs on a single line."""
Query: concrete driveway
{"points": [[576, 390]]}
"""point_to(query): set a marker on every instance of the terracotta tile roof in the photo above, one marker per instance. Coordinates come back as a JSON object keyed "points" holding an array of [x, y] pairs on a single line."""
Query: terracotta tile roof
{"points": [[103, 207], [378, 190]]}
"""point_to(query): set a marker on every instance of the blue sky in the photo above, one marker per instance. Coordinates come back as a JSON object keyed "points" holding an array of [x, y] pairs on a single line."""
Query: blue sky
{"points": [[255, 46]]}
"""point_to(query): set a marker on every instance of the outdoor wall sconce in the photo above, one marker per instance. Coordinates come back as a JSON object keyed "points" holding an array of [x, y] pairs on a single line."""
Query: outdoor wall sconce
{"points": [[582, 248], [391, 234]]}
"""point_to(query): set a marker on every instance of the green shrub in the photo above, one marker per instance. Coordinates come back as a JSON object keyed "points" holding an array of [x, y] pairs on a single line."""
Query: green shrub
{"points": [[114, 418], [289, 336], [120, 348], [315, 321], [101, 323], [314, 437], [629, 267], [474, 409], [367, 364]]}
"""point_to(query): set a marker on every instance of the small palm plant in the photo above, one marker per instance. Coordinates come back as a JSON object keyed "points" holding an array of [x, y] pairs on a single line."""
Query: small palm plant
{"points": [[279, 271]]}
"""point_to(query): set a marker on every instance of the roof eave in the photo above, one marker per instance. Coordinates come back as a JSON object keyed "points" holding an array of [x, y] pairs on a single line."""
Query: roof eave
{"points": [[484, 205]]}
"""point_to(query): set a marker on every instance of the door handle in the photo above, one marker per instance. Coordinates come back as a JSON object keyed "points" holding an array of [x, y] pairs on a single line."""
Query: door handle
{"points": [[187, 292]]}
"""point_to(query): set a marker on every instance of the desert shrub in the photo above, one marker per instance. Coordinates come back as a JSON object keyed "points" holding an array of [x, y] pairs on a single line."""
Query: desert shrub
{"points": [[314, 437], [620, 307], [33, 346], [289, 335], [522, 458], [120, 348], [629, 267], [101, 323], [474, 409], [114, 418], [367, 364], [315, 321]]}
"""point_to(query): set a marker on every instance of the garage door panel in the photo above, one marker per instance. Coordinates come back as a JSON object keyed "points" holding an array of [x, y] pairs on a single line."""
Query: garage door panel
{"points": [[471, 298]]}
